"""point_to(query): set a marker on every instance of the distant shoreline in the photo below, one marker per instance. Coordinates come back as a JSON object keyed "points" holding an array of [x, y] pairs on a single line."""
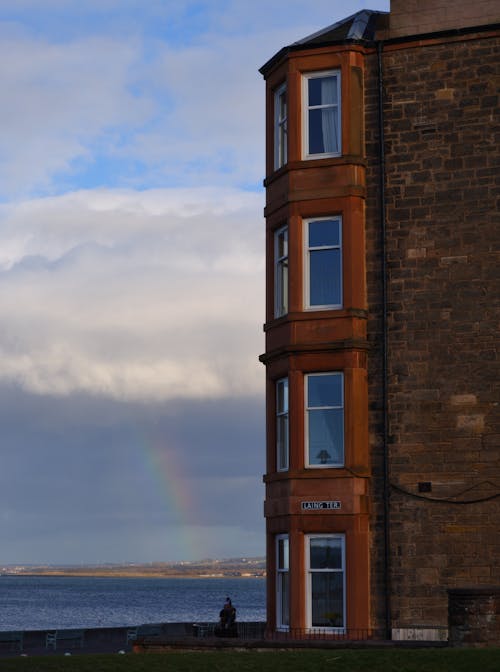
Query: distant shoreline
{"points": [[136, 575], [237, 568]]}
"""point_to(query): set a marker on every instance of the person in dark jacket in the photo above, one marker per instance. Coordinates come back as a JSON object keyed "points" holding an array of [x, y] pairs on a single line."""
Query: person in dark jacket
{"points": [[227, 620]]}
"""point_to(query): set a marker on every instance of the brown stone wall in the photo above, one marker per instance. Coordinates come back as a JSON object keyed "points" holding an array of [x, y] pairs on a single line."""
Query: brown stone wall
{"points": [[474, 616], [411, 17], [442, 176]]}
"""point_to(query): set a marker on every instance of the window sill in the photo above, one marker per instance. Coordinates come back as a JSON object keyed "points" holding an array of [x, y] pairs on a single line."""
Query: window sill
{"points": [[315, 162], [319, 630], [317, 314], [313, 473]]}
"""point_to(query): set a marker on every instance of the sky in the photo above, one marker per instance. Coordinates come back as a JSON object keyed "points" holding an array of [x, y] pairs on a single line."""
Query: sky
{"points": [[132, 274]]}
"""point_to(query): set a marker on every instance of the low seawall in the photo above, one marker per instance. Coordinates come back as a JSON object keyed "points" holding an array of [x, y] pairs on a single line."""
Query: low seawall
{"points": [[109, 640], [162, 637]]}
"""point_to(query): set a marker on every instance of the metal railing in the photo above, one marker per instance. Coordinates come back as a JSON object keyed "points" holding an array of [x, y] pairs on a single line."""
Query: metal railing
{"points": [[324, 634], [252, 631]]}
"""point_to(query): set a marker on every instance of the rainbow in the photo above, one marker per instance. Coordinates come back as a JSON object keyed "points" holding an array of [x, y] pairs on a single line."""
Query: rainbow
{"points": [[164, 470]]}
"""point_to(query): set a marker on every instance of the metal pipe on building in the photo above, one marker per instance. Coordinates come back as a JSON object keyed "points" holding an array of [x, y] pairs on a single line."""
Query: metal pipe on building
{"points": [[382, 212]]}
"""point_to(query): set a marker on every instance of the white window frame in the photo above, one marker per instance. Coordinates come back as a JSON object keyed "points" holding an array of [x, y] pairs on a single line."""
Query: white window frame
{"points": [[306, 108], [281, 621], [282, 417], [280, 126], [307, 263], [280, 274], [333, 629], [307, 409]]}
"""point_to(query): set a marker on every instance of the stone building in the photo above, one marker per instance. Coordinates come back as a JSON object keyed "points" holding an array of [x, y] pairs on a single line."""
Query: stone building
{"points": [[382, 319]]}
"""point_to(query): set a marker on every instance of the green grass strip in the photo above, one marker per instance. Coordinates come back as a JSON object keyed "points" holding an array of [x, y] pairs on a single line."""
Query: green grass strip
{"points": [[333, 660]]}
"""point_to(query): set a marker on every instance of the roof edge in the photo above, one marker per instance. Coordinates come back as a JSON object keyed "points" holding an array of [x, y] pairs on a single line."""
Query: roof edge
{"points": [[451, 32], [359, 28]]}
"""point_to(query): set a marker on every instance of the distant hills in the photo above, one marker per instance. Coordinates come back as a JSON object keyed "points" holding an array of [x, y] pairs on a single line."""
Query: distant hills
{"points": [[237, 567]]}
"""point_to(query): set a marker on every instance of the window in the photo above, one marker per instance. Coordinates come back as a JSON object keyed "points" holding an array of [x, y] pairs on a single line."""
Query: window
{"points": [[324, 395], [321, 131], [323, 267], [280, 127], [282, 583], [282, 424], [281, 272], [326, 581]]}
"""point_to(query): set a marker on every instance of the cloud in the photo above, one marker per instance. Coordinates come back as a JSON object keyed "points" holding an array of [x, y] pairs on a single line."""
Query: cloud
{"points": [[124, 110], [136, 481], [167, 94], [64, 102], [133, 295]]}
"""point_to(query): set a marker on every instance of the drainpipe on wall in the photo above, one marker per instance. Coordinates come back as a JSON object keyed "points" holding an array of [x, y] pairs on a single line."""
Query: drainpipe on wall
{"points": [[386, 488]]}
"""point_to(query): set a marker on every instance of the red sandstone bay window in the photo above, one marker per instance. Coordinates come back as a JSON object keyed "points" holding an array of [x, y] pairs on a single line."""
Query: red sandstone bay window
{"points": [[321, 114]]}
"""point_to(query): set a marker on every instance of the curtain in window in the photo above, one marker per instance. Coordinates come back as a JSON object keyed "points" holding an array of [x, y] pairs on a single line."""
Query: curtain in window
{"points": [[325, 263], [326, 440], [329, 115], [282, 424], [283, 583], [281, 272], [325, 419], [284, 599], [327, 600], [327, 582], [324, 277]]}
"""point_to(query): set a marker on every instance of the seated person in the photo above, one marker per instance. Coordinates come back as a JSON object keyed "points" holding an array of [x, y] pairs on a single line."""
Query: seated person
{"points": [[227, 622]]}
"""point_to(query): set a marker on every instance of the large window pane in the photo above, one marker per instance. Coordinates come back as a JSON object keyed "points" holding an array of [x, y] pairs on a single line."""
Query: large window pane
{"points": [[325, 390], [281, 272], [323, 90], [280, 127], [324, 263], [282, 424], [282, 443], [284, 593], [325, 553], [326, 437], [325, 419], [324, 281], [283, 553], [324, 233], [322, 116], [327, 600], [282, 582], [323, 131], [326, 581]]}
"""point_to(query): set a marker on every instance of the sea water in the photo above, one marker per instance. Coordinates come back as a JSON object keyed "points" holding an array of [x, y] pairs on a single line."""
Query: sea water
{"points": [[42, 602]]}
